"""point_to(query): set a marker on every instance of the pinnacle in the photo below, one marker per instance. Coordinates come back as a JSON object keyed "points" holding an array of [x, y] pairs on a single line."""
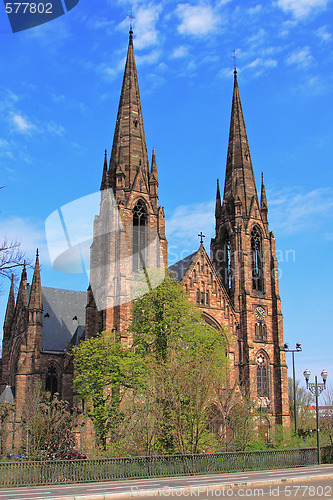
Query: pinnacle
{"points": [[263, 198], [35, 300], [10, 307], [218, 202], [105, 171]]}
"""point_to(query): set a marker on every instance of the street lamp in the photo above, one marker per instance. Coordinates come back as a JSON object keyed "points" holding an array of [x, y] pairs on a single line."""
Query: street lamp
{"points": [[316, 389], [298, 349]]}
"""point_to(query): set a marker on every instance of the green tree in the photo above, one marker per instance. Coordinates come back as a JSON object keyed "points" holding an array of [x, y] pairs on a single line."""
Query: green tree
{"points": [[233, 415], [183, 357], [48, 424], [326, 417], [304, 399], [5, 411], [105, 371]]}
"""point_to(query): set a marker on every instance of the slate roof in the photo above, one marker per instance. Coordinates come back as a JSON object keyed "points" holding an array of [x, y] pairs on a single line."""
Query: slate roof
{"points": [[7, 395], [79, 333], [59, 309], [179, 268]]}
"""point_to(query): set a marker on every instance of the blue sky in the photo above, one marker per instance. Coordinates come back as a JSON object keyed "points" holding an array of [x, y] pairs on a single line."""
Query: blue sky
{"points": [[59, 90]]}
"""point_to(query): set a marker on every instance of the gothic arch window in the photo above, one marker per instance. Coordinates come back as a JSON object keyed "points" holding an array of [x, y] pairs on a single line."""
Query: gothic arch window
{"points": [[226, 263], [256, 252], [51, 382], [198, 297], [260, 333], [139, 236], [207, 298], [262, 375], [264, 332], [14, 367]]}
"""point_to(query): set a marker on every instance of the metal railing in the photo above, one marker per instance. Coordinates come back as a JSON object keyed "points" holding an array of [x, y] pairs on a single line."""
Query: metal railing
{"points": [[26, 473]]}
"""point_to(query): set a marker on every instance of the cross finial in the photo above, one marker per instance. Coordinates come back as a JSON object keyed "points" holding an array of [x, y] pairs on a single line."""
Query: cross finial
{"points": [[131, 17], [201, 237], [235, 59]]}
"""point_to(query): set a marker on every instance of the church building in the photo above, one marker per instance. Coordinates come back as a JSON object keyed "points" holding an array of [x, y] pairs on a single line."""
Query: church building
{"points": [[235, 285]]}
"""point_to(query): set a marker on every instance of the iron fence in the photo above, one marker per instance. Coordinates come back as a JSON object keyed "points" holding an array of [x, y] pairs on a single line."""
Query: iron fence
{"points": [[26, 473]]}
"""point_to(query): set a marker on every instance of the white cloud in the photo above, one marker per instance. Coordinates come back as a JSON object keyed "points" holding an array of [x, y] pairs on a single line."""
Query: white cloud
{"points": [[198, 20], [292, 212], [146, 18], [179, 52], [55, 128], [7, 149], [29, 232], [257, 38], [21, 124], [262, 63], [101, 23], [184, 224], [110, 72], [315, 85], [301, 58], [255, 10], [144, 25], [286, 28], [301, 8], [323, 34], [150, 58]]}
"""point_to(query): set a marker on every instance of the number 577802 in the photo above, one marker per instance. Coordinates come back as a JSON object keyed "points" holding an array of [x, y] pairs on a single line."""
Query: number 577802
{"points": [[28, 8]]}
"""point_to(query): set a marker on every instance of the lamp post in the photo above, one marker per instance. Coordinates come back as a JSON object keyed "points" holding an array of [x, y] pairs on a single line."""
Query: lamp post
{"points": [[297, 349], [316, 389]]}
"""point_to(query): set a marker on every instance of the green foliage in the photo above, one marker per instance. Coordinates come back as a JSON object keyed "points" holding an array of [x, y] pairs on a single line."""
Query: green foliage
{"points": [[234, 413], [304, 398], [105, 370], [183, 358]]}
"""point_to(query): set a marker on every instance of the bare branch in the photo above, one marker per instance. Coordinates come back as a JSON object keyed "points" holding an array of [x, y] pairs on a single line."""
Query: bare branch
{"points": [[11, 258]]}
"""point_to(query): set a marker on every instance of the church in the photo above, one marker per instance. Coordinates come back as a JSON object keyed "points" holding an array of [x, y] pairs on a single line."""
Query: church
{"points": [[235, 284]]}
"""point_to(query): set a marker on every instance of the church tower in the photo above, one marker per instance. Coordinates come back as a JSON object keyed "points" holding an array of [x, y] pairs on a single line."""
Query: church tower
{"points": [[129, 232], [243, 253]]}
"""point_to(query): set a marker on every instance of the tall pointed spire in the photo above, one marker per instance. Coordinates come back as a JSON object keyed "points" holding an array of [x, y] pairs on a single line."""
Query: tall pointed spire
{"points": [[22, 295], [153, 171], [218, 204], [10, 310], [153, 180], [263, 201], [263, 198], [105, 171], [239, 166], [129, 150], [35, 300]]}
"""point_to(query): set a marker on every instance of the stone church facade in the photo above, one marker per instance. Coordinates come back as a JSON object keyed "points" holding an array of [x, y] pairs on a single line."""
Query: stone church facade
{"points": [[236, 287]]}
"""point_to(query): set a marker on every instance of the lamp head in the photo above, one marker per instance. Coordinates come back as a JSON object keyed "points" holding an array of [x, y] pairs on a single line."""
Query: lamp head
{"points": [[307, 374], [324, 376], [286, 346], [298, 346]]}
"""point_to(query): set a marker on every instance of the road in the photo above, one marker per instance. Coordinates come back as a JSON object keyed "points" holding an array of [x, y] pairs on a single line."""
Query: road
{"points": [[306, 482]]}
